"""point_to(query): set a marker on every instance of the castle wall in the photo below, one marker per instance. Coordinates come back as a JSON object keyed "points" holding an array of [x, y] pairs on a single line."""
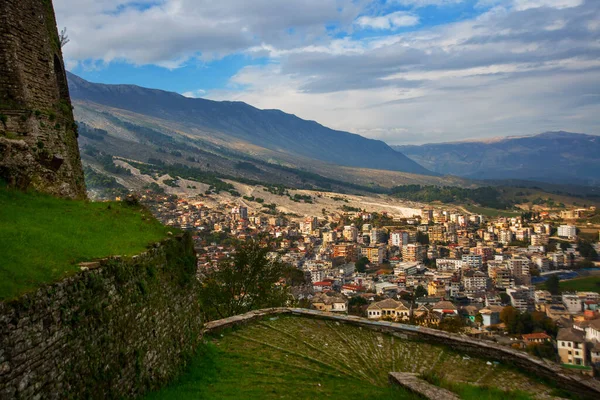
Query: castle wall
{"points": [[38, 135], [114, 331]]}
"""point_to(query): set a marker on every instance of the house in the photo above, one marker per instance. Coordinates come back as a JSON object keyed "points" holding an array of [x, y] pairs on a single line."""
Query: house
{"points": [[424, 315], [436, 288], [350, 290], [535, 338], [571, 346], [490, 315], [330, 302], [322, 286], [445, 308], [389, 308]]}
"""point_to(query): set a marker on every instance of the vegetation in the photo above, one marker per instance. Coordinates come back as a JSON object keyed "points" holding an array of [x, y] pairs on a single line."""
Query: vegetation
{"points": [[467, 392], [588, 284], [552, 285], [246, 281], [43, 238], [521, 323], [97, 180], [91, 133], [286, 357], [361, 264], [484, 196]]}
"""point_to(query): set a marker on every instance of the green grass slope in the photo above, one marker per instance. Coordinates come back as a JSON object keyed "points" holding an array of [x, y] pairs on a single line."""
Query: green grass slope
{"points": [[300, 358], [43, 238]]}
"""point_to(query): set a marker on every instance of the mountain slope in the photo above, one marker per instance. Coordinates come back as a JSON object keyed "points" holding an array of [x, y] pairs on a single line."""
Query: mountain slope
{"points": [[239, 122], [556, 157]]}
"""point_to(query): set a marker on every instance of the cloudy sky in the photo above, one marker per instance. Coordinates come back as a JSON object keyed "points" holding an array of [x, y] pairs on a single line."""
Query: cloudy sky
{"points": [[404, 71]]}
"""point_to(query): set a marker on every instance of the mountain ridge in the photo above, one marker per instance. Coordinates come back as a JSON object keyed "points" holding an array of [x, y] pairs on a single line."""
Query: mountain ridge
{"points": [[553, 156], [272, 129]]}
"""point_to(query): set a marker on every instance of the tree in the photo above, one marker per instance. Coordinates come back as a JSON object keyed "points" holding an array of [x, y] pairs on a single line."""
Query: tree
{"points": [[246, 281], [63, 38], [420, 291], [552, 285], [510, 317], [504, 298], [361, 264]]}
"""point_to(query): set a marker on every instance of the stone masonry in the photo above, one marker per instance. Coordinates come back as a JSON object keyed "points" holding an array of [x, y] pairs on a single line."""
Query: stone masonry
{"points": [[38, 135], [116, 330]]}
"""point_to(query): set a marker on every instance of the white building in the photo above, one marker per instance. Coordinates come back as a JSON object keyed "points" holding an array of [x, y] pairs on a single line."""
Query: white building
{"points": [[567, 231]]}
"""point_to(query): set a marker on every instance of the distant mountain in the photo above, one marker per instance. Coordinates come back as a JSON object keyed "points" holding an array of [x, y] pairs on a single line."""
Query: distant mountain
{"points": [[238, 124], [555, 157]]}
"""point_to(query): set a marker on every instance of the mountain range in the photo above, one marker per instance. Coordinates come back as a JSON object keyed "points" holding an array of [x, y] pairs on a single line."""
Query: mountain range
{"points": [[271, 134], [554, 157]]}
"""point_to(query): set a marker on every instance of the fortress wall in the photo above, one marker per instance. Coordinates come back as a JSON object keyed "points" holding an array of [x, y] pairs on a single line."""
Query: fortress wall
{"points": [[583, 385], [121, 328], [38, 135]]}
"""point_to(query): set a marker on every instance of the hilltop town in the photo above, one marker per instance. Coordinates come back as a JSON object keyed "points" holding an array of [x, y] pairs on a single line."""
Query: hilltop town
{"points": [[486, 277]]}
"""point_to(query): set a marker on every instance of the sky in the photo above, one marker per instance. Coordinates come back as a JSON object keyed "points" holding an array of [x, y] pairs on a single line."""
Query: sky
{"points": [[402, 71]]}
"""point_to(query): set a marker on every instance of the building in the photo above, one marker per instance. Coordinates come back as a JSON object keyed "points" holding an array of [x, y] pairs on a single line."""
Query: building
{"points": [[573, 303], [406, 268], [521, 298], [389, 308], [330, 302], [375, 254], [571, 347], [377, 236], [350, 233], [535, 338], [567, 231], [478, 282], [436, 289], [347, 251], [329, 237], [473, 261], [448, 264], [412, 252]]}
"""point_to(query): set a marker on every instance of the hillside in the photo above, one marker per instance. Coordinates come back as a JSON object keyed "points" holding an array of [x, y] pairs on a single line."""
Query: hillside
{"points": [[42, 238], [266, 133], [303, 358], [555, 157]]}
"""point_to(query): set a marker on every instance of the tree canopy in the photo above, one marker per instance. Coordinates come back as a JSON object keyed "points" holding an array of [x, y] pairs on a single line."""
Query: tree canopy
{"points": [[247, 281]]}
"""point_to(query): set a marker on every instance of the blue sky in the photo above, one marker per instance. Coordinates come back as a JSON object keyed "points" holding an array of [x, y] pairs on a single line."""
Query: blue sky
{"points": [[404, 71]]}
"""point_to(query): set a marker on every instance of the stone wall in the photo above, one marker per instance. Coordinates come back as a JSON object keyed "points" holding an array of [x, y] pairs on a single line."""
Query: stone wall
{"points": [[584, 386], [125, 326], [38, 135]]}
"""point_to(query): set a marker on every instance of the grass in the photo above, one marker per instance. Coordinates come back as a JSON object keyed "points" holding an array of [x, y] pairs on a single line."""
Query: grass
{"points": [[42, 238], [302, 358], [474, 392], [491, 212], [588, 284]]}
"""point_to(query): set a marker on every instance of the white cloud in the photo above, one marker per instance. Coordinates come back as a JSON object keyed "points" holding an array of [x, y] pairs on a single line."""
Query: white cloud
{"points": [[559, 4], [391, 21], [194, 94], [170, 33]]}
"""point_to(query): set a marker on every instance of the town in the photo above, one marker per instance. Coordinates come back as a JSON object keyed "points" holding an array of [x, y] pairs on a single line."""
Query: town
{"points": [[495, 278]]}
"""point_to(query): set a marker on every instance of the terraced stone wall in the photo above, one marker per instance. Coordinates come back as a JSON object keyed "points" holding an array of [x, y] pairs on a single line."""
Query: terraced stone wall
{"points": [[38, 135], [116, 330], [585, 386]]}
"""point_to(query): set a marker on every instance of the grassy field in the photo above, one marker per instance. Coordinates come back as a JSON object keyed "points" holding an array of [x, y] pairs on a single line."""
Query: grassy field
{"points": [[43, 238], [587, 284], [301, 358]]}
